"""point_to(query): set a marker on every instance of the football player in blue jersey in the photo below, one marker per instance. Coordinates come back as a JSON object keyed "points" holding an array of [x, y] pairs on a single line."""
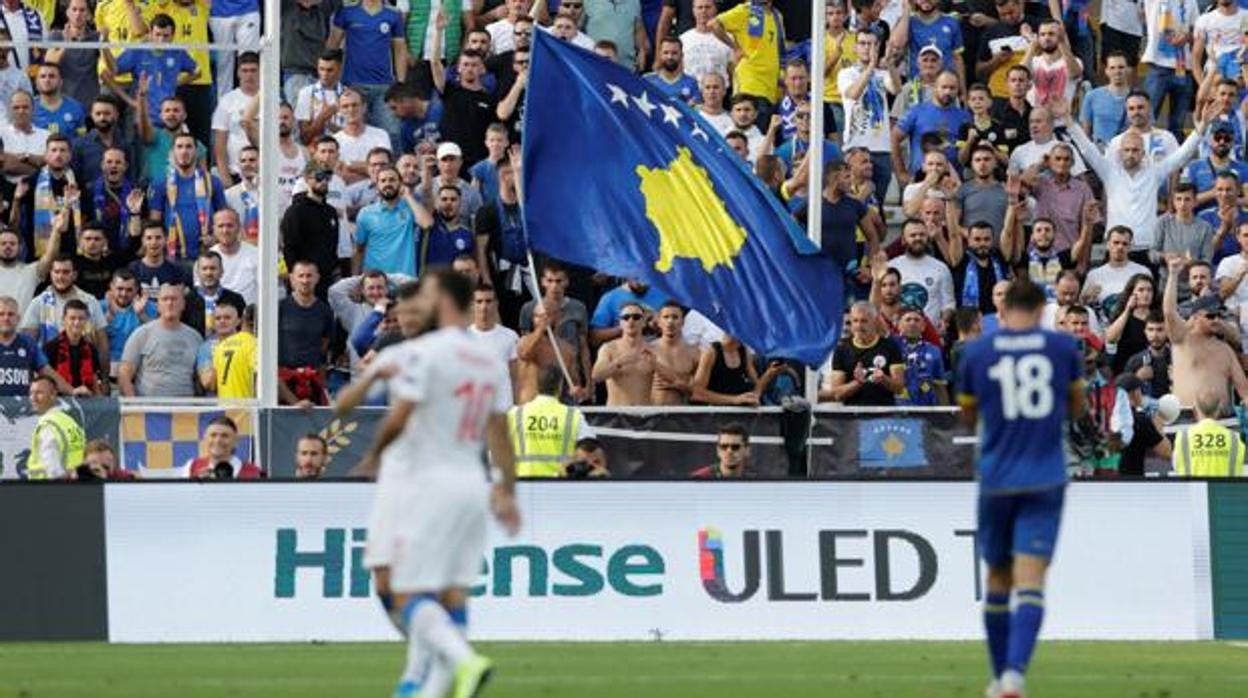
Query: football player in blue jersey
{"points": [[1019, 385]]}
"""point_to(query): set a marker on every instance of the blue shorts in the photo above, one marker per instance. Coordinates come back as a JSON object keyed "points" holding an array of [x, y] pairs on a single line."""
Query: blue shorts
{"points": [[1023, 523]]}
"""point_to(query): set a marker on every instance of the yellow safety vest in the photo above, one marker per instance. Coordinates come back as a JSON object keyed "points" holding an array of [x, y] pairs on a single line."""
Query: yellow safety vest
{"points": [[1208, 449], [71, 440], [543, 435]]}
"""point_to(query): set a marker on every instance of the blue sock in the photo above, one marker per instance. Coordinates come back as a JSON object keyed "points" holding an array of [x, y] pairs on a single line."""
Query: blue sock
{"points": [[459, 616], [997, 625], [1025, 628]]}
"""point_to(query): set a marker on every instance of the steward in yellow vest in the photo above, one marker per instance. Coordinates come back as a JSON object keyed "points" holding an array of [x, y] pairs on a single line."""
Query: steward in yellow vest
{"points": [[1206, 448], [59, 443], [544, 431]]}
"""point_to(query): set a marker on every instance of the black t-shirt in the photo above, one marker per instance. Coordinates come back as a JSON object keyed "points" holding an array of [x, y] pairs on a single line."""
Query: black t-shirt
{"points": [[466, 114], [1160, 363], [1132, 342], [1145, 438], [301, 331], [1013, 124], [883, 354], [993, 134]]}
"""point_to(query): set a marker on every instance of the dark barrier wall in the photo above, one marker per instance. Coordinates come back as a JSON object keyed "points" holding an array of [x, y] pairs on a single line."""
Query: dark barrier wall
{"points": [[53, 581], [1228, 542]]}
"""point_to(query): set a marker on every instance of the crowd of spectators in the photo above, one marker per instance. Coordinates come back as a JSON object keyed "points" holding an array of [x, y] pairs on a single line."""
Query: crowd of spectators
{"points": [[965, 145]]}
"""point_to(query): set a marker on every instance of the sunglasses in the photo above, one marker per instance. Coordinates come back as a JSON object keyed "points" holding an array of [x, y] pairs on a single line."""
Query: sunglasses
{"points": [[523, 32], [1223, 137], [572, 5], [730, 447], [323, 176], [631, 317]]}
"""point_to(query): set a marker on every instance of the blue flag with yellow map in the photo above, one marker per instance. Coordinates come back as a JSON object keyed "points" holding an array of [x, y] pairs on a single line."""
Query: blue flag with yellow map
{"points": [[623, 180]]}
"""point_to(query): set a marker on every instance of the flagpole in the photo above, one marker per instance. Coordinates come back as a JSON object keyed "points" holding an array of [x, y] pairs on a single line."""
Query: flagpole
{"points": [[814, 152], [267, 292]]}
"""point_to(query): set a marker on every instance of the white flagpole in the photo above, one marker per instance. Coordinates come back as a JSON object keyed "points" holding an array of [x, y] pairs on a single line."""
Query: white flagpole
{"points": [[266, 308], [814, 153]]}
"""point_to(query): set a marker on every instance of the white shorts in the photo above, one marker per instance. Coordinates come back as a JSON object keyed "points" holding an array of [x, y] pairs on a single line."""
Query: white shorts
{"points": [[430, 532]]}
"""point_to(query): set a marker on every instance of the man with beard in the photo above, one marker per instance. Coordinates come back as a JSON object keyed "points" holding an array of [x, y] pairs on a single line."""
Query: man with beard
{"points": [[1225, 215], [385, 233], [244, 197], [449, 161], [1066, 296], [926, 377], [669, 75], [925, 281], [975, 275], [186, 199], [940, 119], [1158, 143], [1105, 282], [98, 256], [361, 194], [1152, 365], [19, 279], [445, 237], [467, 108], [78, 65], [1039, 256], [42, 319], [573, 325], [1001, 47], [982, 196], [536, 355], [109, 198], [843, 213], [501, 242], [1202, 359], [418, 117], [1131, 185], [291, 157], [105, 133], [310, 227], [55, 111], [1203, 173], [1055, 71], [1060, 196], [158, 142], [52, 190]]}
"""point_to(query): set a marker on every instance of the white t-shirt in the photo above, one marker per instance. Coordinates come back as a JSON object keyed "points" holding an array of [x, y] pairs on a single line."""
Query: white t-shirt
{"points": [[1113, 279], [1229, 267], [19, 143], [1123, 15], [20, 35], [1031, 152], [313, 98], [863, 128], [18, 282], [700, 331], [928, 281], [289, 171], [1182, 16], [502, 35], [228, 117], [705, 54], [355, 148], [721, 122], [12, 79], [457, 383], [1222, 33], [1048, 320], [240, 271], [503, 340]]}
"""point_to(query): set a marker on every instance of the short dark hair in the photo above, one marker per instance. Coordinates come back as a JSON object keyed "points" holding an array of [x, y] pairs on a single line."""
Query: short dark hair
{"points": [[1120, 230], [1078, 310], [222, 421], [163, 21], [1116, 53], [1023, 294], [589, 444], [331, 54], [1184, 188], [401, 90], [407, 290], [59, 138], [1155, 317], [1019, 67], [249, 58], [550, 381], [75, 304], [452, 284], [313, 436], [105, 98], [964, 318], [41, 378], [735, 429]]}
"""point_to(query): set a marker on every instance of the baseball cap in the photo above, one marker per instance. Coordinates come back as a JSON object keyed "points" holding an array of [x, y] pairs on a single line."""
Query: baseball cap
{"points": [[314, 169], [1223, 126], [1129, 382], [449, 149], [1205, 304], [932, 48]]}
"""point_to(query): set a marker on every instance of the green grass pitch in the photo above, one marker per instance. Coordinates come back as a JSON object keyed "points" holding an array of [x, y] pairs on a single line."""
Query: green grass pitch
{"points": [[626, 670]]}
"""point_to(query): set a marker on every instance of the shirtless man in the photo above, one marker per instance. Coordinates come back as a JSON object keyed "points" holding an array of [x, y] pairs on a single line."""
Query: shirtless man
{"points": [[535, 352], [627, 364], [677, 360], [1200, 359]]}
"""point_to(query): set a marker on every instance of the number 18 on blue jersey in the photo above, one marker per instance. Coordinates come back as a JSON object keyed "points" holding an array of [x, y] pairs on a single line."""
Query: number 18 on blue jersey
{"points": [[1019, 381]]}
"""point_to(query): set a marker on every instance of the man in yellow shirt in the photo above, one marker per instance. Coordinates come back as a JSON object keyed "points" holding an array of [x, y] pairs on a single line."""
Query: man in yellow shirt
{"points": [[755, 31], [118, 22], [234, 359], [190, 22], [1206, 448]]}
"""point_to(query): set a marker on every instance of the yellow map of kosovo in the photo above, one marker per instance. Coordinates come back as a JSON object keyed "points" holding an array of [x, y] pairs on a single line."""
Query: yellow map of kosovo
{"points": [[691, 218]]}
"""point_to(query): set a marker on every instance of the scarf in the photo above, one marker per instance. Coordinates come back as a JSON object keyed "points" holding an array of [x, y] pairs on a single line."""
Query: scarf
{"points": [[34, 32], [756, 25], [177, 245], [76, 364], [1043, 271], [512, 247], [321, 96], [47, 205], [418, 17], [100, 197], [970, 284], [251, 216]]}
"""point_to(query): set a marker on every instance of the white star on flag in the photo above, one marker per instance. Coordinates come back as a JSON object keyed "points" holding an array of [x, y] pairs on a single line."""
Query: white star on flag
{"points": [[618, 95], [643, 103], [671, 115], [697, 132]]}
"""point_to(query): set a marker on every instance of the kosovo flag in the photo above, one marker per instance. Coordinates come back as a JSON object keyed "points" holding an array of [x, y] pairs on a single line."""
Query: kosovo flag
{"points": [[623, 180]]}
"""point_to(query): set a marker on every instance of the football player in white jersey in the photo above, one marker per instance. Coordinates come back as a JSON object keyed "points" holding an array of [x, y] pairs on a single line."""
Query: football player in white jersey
{"points": [[427, 534]]}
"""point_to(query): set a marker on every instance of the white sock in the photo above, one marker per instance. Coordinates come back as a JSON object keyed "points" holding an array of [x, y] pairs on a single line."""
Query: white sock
{"points": [[433, 625], [437, 680], [418, 659]]}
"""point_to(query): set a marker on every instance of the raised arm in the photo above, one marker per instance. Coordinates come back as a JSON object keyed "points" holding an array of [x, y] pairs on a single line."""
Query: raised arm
{"points": [[1175, 327], [1091, 154]]}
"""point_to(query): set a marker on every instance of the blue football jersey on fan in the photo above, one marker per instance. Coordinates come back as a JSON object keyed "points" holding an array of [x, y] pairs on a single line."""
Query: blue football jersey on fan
{"points": [[1020, 382]]}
